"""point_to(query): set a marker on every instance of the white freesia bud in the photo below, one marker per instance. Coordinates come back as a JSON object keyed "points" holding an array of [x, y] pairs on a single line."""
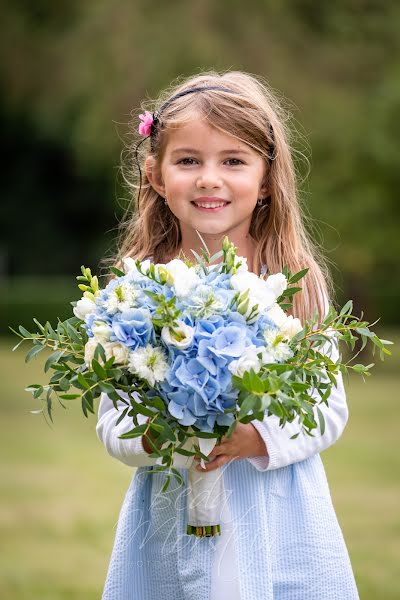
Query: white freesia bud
{"points": [[185, 278], [291, 327], [101, 331], [277, 283], [84, 307], [182, 338], [248, 360]]}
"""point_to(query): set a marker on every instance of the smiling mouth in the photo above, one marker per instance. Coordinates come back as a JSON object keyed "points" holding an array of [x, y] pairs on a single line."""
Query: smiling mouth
{"points": [[210, 206]]}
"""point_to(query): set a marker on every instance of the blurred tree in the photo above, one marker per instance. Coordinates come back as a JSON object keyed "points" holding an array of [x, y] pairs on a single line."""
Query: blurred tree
{"points": [[72, 72]]}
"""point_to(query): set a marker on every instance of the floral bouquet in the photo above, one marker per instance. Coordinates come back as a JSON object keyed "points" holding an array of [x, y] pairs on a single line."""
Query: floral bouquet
{"points": [[196, 347]]}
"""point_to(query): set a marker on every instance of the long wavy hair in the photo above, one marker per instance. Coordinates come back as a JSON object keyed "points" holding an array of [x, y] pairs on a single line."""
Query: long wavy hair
{"points": [[251, 112]]}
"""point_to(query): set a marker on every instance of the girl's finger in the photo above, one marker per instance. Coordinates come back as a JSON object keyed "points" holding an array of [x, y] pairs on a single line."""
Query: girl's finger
{"points": [[214, 464], [218, 449]]}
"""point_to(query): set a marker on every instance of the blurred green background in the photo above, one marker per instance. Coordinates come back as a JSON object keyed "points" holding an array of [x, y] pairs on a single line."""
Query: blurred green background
{"points": [[70, 75]]}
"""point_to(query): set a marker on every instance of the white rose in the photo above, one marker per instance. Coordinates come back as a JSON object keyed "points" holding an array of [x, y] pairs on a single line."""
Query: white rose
{"points": [[291, 327], [115, 349], [84, 307], [277, 314], [248, 360], [90, 347], [184, 331], [185, 278], [119, 351], [277, 283], [101, 331]]}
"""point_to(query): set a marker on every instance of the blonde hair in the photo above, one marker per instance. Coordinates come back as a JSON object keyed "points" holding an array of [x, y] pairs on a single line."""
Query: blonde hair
{"points": [[250, 112]]}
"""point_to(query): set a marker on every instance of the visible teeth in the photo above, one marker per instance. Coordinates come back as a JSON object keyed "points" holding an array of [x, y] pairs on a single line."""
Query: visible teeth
{"points": [[209, 205]]}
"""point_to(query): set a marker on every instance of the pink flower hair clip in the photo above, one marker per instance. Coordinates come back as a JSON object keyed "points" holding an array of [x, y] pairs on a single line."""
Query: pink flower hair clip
{"points": [[148, 121]]}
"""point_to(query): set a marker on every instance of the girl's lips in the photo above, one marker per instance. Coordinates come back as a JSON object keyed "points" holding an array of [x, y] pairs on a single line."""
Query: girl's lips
{"points": [[210, 209]]}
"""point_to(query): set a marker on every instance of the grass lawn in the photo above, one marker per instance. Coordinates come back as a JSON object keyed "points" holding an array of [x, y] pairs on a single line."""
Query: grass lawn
{"points": [[61, 492]]}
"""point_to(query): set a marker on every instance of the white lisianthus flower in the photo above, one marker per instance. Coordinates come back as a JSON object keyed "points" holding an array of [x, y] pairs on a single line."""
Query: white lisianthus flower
{"points": [[101, 331], [259, 292], [243, 267], [277, 350], [84, 307], [119, 351], [291, 327], [184, 332], [129, 265], [185, 278], [149, 363], [277, 283], [248, 360]]}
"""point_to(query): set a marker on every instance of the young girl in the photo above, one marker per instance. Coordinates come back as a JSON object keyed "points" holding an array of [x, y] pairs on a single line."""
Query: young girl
{"points": [[218, 162]]}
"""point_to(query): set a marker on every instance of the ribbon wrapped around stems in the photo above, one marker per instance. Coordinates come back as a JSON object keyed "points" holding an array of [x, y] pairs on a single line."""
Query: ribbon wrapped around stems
{"points": [[206, 494]]}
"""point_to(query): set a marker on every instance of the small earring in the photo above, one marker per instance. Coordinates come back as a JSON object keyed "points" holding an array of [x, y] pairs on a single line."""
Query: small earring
{"points": [[260, 201], [165, 201]]}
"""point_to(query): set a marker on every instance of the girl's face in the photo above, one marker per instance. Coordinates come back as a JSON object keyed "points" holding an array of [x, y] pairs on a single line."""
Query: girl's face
{"points": [[211, 180]]}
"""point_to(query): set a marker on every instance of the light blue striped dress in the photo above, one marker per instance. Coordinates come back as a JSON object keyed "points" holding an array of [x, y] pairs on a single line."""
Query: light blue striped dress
{"points": [[280, 540]]}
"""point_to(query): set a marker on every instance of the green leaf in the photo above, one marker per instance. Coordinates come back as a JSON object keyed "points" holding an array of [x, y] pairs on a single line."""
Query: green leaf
{"points": [[24, 331], [70, 396], [347, 308], [105, 387], [166, 483], [133, 433], [37, 393], [99, 350], [156, 402], [321, 420], [122, 415], [246, 405], [298, 276], [98, 369], [141, 409], [256, 383], [117, 272], [83, 381], [52, 359], [41, 327], [32, 352]]}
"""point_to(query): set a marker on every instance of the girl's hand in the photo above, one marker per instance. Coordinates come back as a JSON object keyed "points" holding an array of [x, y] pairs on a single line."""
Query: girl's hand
{"points": [[245, 442]]}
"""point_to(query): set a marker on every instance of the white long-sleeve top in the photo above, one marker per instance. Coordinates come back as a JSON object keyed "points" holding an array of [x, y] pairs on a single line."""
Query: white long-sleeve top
{"points": [[280, 449]]}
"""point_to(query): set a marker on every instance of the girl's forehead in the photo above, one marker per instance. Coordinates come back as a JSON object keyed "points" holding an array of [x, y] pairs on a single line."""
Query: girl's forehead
{"points": [[201, 135]]}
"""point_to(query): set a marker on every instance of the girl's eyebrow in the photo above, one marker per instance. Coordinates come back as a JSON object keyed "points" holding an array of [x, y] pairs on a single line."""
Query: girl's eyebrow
{"points": [[194, 151]]}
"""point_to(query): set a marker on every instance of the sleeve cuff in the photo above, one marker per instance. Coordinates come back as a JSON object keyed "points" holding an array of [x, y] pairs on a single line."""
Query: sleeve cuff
{"points": [[262, 463]]}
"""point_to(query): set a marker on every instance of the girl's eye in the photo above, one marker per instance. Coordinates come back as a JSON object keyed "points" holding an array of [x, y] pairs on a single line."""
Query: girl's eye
{"points": [[183, 161], [238, 161]]}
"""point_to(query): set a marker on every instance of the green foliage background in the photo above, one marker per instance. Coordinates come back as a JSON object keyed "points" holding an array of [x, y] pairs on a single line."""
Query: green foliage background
{"points": [[72, 72]]}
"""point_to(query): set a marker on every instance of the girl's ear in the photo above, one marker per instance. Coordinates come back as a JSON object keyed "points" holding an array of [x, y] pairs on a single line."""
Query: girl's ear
{"points": [[153, 175]]}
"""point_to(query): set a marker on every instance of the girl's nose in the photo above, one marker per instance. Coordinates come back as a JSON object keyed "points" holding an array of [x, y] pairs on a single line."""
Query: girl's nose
{"points": [[209, 178]]}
